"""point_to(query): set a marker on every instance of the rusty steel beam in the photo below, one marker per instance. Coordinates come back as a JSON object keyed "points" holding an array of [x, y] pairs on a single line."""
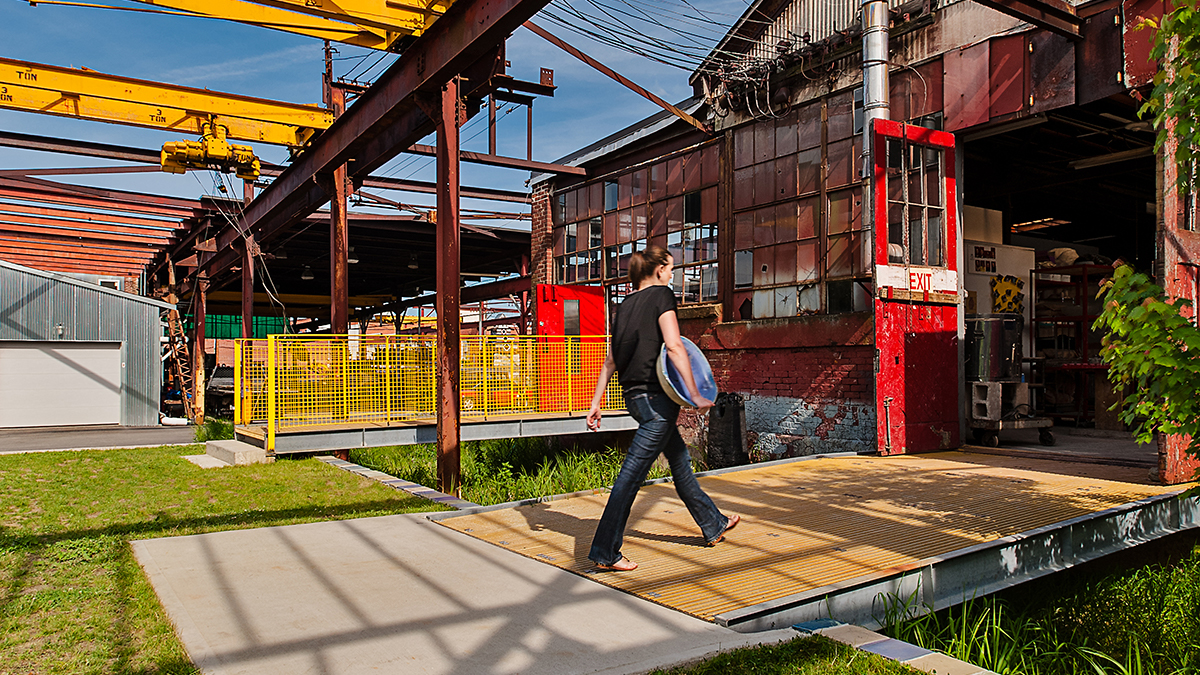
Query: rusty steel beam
{"points": [[506, 162], [7, 224], [448, 288], [1055, 16], [384, 121], [78, 171], [25, 194], [80, 258], [78, 248], [629, 84], [339, 236], [121, 153], [199, 314], [160, 228], [184, 206], [14, 234], [74, 226], [72, 267]]}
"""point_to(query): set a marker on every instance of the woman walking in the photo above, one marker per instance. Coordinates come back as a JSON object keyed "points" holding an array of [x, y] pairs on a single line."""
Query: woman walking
{"points": [[646, 321]]}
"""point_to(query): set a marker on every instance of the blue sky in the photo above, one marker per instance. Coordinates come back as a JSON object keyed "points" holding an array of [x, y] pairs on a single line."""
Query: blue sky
{"points": [[230, 57]]}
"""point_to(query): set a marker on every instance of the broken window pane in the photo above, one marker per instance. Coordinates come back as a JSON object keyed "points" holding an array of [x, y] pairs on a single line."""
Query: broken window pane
{"points": [[596, 233], [571, 238], [691, 284], [612, 259], [743, 268], [841, 296], [808, 299], [706, 242], [764, 266], [785, 301], [691, 208], [708, 283]]}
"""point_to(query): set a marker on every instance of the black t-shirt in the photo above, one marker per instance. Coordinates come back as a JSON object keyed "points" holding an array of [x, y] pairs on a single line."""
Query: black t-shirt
{"points": [[637, 339]]}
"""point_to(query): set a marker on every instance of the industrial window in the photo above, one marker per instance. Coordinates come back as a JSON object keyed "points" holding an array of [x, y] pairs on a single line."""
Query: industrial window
{"points": [[1189, 202], [916, 214], [671, 202]]}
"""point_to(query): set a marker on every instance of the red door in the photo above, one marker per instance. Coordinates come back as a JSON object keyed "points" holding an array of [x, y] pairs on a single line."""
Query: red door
{"points": [[916, 289], [571, 345]]}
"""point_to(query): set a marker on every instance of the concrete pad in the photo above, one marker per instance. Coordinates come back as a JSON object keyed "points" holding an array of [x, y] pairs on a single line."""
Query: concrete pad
{"points": [[854, 636], [236, 453], [944, 665], [400, 594], [206, 461]]}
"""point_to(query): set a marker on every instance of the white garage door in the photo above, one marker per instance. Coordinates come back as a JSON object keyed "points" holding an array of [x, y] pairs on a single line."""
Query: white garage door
{"points": [[59, 383]]}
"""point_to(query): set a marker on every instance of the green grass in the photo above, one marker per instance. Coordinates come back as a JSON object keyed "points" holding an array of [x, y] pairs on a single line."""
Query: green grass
{"points": [[495, 472], [213, 429], [73, 598], [1144, 620], [802, 656]]}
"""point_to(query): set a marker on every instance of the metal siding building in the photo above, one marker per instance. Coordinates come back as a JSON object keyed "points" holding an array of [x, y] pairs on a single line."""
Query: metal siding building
{"points": [[44, 315]]}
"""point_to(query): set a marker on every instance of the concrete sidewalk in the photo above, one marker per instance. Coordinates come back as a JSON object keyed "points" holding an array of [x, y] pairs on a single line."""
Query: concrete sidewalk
{"points": [[400, 594], [36, 439]]}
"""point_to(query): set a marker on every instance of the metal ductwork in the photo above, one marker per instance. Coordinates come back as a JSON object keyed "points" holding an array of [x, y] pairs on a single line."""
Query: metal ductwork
{"points": [[875, 71]]}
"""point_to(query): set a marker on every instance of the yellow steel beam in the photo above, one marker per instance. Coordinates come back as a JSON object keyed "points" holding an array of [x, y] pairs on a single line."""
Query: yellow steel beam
{"points": [[86, 94], [375, 23]]}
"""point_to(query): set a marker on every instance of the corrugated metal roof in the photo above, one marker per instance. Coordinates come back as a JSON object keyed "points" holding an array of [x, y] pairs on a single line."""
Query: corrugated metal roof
{"points": [[84, 284]]}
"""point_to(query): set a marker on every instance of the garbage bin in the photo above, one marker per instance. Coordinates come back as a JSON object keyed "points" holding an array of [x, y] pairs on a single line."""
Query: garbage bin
{"points": [[727, 432]]}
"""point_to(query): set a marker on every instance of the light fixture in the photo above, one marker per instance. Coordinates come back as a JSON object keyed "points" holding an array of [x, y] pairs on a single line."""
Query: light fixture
{"points": [[350, 257], [1112, 158], [307, 274], [1039, 224], [412, 261]]}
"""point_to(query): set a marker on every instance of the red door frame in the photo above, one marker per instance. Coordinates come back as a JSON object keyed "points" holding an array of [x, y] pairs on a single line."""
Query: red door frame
{"points": [[916, 315]]}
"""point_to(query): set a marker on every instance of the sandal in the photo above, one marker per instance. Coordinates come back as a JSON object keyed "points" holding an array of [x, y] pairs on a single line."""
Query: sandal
{"points": [[622, 565], [733, 521]]}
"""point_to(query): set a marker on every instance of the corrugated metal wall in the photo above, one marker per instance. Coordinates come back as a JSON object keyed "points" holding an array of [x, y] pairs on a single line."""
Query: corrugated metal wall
{"points": [[811, 19], [33, 307]]}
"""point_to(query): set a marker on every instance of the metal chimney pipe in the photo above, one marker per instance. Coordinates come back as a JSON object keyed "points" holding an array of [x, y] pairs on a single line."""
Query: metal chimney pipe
{"points": [[875, 72]]}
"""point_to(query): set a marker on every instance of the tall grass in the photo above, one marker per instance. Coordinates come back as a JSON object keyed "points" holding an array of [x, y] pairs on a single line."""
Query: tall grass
{"points": [[504, 470], [1145, 621], [213, 429]]}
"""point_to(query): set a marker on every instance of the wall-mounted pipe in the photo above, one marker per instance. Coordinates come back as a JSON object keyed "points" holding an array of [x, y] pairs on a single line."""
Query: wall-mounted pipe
{"points": [[875, 72]]}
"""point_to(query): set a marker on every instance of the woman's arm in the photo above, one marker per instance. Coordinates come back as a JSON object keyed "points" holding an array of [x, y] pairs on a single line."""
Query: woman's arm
{"points": [[606, 373], [668, 323]]}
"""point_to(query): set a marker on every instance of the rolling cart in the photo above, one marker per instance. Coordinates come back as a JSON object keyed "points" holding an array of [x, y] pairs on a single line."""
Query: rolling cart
{"points": [[1001, 399]]}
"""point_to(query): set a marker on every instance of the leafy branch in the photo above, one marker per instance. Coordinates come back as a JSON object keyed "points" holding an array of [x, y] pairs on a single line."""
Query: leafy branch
{"points": [[1152, 348], [1175, 100]]}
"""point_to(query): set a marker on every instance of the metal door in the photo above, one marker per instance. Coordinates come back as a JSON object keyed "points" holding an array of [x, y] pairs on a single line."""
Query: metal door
{"points": [[916, 289]]}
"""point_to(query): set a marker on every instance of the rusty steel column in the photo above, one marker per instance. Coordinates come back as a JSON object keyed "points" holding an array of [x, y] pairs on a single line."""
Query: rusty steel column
{"points": [[523, 268], [447, 299], [248, 288], [339, 239], [199, 310], [248, 270]]}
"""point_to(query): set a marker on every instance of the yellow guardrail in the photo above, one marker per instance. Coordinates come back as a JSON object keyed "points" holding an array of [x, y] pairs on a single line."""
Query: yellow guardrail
{"points": [[290, 382]]}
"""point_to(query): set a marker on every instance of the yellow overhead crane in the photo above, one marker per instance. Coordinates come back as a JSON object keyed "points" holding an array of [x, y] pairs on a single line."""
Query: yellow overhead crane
{"points": [[377, 24], [214, 116]]}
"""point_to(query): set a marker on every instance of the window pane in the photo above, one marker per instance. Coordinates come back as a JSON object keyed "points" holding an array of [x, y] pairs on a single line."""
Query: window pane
{"points": [[610, 196], [743, 268], [674, 214], [691, 208], [596, 233], [638, 183], [624, 251], [708, 283], [625, 191], [658, 181], [560, 208], [691, 284], [916, 235], [571, 238], [560, 240], [625, 224], [743, 230], [785, 301], [808, 299], [595, 264], [807, 263], [677, 283], [841, 296], [764, 226], [691, 238], [933, 179], [764, 304], [916, 191], [895, 232], [639, 221], [612, 262], [675, 245], [936, 256], [785, 222], [707, 243], [841, 211], [840, 262], [764, 266]]}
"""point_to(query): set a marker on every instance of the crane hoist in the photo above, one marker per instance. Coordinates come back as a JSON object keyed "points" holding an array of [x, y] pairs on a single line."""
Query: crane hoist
{"points": [[215, 117]]}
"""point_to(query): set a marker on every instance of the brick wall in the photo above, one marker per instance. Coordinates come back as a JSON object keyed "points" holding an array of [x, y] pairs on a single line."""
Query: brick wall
{"points": [[802, 401], [541, 243]]}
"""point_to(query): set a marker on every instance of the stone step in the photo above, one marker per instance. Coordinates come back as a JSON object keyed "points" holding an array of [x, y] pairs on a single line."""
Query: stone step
{"points": [[236, 452]]}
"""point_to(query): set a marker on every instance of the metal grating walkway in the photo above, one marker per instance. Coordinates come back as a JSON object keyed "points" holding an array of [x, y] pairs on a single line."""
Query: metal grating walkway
{"points": [[806, 524]]}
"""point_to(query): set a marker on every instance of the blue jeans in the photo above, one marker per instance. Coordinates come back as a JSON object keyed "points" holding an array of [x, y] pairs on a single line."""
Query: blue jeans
{"points": [[656, 416]]}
